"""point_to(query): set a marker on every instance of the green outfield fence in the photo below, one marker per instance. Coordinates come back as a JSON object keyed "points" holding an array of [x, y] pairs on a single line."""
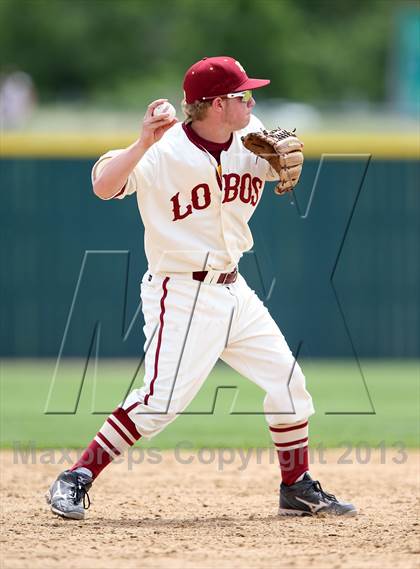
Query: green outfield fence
{"points": [[338, 264]]}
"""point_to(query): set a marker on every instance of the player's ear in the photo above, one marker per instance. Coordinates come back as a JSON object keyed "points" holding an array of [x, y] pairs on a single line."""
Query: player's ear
{"points": [[217, 104]]}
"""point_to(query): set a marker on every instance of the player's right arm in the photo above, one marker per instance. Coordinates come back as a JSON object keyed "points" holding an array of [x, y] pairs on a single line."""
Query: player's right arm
{"points": [[110, 180]]}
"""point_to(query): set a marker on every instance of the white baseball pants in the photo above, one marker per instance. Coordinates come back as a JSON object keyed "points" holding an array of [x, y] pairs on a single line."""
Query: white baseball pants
{"points": [[190, 325]]}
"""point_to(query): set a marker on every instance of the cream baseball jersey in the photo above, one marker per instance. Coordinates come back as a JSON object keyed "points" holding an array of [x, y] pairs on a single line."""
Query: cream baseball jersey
{"points": [[195, 214]]}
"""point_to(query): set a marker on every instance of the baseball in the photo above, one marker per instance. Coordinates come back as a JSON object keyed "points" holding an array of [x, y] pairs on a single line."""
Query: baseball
{"points": [[165, 108]]}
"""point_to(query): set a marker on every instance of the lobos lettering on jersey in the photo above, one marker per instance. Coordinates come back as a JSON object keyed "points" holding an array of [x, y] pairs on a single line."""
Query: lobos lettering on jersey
{"points": [[200, 199], [245, 187]]}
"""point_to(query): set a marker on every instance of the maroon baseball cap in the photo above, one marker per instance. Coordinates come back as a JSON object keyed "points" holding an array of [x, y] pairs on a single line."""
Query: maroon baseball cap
{"points": [[216, 76]]}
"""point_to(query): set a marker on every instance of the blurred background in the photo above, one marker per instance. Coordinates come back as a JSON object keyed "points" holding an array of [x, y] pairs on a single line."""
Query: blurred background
{"points": [[338, 264], [95, 64]]}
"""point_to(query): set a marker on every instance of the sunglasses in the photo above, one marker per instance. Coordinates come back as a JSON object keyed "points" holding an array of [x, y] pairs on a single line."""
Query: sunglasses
{"points": [[244, 95]]}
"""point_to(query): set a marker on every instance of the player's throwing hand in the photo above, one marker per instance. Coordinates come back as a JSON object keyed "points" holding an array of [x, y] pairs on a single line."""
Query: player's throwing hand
{"points": [[154, 127]]}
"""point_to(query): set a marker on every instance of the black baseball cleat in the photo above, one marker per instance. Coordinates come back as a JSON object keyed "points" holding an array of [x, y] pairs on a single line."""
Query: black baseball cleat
{"points": [[68, 495], [307, 498]]}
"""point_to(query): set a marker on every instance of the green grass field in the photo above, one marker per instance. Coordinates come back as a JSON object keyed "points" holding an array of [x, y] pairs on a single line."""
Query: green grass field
{"points": [[228, 417]]}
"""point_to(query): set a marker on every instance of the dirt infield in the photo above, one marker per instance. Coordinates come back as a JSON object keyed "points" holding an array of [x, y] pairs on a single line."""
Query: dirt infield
{"points": [[173, 515]]}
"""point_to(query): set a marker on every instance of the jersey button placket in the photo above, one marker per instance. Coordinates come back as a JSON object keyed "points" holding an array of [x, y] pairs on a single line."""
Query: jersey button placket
{"points": [[224, 216]]}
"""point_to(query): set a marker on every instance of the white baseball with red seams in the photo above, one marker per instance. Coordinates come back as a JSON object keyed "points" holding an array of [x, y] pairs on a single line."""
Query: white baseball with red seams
{"points": [[165, 108], [196, 218]]}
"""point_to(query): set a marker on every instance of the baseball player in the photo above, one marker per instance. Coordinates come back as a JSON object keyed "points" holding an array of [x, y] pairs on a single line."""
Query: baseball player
{"points": [[197, 187]]}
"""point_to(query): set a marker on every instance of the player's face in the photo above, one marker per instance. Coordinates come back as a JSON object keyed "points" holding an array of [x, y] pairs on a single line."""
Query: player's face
{"points": [[238, 113]]}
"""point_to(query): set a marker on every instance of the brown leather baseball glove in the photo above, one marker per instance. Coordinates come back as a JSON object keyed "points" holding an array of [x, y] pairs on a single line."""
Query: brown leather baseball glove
{"points": [[283, 150]]}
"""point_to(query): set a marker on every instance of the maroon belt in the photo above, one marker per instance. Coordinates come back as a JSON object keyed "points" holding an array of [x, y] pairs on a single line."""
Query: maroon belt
{"points": [[224, 278]]}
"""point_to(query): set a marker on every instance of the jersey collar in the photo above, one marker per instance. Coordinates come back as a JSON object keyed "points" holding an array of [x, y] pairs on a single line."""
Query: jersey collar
{"points": [[203, 143]]}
